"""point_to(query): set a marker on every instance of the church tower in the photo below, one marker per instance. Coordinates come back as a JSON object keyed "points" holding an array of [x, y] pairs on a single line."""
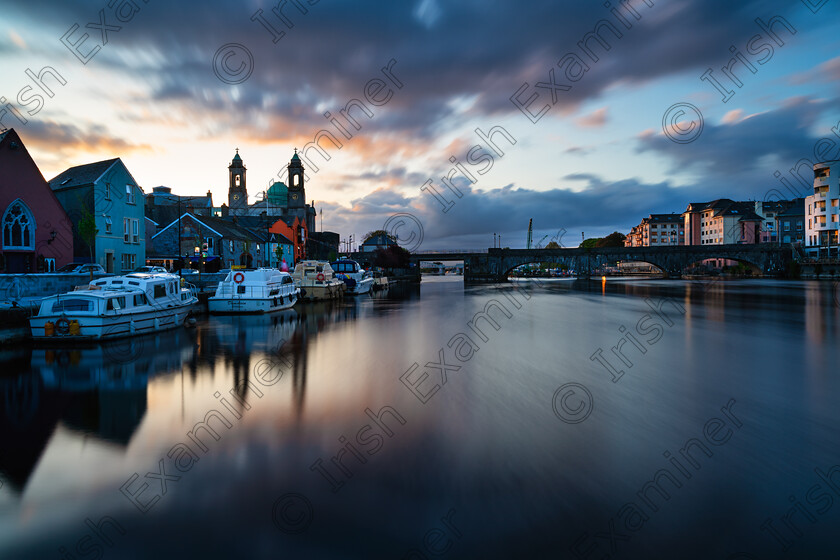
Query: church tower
{"points": [[297, 194], [237, 193]]}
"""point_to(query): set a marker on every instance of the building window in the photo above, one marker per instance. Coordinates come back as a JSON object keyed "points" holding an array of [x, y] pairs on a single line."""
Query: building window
{"points": [[18, 227], [129, 194], [209, 242], [126, 231], [107, 191], [135, 228], [230, 244], [236, 180], [129, 261], [109, 224]]}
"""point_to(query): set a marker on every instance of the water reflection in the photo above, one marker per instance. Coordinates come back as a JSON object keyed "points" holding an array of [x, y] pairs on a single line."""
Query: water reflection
{"points": [[487, 444]]}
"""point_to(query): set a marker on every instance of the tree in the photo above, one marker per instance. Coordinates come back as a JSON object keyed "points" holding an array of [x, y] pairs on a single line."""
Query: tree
{"points": [[589, 243], [374, 233], [392, 257], [615, 239], [87, 231], [552, 245]]}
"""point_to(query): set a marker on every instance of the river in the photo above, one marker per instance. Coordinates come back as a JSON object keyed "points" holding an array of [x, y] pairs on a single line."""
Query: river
{"points": [[403, 425]]}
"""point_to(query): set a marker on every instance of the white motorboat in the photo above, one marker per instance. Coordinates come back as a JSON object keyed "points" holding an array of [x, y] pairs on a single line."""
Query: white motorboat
{"points": [[317, 280], [356, 279], [114, 307], [254, 291]]}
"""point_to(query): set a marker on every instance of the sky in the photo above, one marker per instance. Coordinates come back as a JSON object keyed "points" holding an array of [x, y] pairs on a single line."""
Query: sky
{"points": [[599, 111]]}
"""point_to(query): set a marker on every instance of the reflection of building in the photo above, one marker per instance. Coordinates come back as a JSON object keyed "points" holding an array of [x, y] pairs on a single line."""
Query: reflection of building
{"points": [[822, 211], [97, 390], [37, 235]]}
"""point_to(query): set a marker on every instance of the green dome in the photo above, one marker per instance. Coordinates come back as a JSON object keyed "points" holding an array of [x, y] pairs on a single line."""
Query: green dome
{"points": [[278, 194]]}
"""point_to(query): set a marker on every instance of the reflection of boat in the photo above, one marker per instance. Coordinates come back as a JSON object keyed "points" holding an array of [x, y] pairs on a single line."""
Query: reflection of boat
{"points": [[254, 291], [356, 279], [317, 280], [114, 307]]}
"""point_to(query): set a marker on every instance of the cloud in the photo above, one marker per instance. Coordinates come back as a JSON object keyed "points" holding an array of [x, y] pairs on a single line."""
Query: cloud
{"points": [[597, 119]]}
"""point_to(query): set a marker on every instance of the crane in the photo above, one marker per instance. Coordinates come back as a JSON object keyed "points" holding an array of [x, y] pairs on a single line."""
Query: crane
{"points": [[530, 233]]}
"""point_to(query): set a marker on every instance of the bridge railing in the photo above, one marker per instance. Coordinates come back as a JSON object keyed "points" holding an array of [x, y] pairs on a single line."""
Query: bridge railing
{"points": [[450, 252]]}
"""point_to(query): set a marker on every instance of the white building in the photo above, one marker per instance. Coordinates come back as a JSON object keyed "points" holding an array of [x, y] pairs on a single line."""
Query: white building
{"points": [[822, 211]]}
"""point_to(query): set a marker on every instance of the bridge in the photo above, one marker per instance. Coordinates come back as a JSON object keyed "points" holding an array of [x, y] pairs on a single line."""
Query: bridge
{"points": [[494, 265]]}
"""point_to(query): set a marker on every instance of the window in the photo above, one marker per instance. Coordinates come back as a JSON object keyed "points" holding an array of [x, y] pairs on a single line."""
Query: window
{"points": [[126, 226], [230, 243], [135, 228], [209, 242], [72, 304], [159, 291], [18, 227], [107, 191], [139, 299], [240, 289], [109, 224], [129, 194], [787, 226], [116, 303], [129, 261]]}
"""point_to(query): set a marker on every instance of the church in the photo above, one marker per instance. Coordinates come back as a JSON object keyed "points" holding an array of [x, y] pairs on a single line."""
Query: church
{"points": [[282, 201]]}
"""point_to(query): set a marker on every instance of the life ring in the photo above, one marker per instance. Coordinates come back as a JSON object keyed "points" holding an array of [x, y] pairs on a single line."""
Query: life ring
{"points": [[238, 277], [62, 326], [320, 277]]}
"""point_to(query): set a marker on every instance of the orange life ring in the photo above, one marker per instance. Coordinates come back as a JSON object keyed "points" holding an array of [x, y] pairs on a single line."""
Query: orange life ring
{"points": [[320, 277], [238, 277], [62, 326]]}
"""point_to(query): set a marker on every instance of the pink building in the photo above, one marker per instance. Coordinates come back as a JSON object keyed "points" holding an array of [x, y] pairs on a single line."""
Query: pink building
{"points": [[37, 236]]}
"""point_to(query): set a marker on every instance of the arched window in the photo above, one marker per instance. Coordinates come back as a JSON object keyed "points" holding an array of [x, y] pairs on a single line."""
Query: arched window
{"points": [[18, 227]]}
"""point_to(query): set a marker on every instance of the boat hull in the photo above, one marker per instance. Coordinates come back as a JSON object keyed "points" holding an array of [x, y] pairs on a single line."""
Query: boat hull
{"points": [[106, 327], [250, 305], [324, 291], [361, 287]]}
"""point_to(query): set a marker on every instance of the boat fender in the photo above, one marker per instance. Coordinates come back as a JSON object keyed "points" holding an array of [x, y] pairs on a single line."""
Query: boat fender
{"points": [[75, 328], [49, 328]]}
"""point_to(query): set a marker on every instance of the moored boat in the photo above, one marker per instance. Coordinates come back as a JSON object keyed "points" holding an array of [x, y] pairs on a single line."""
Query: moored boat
{"points": [[114, 307], [254, 291], [317, 280], [356, 279]]}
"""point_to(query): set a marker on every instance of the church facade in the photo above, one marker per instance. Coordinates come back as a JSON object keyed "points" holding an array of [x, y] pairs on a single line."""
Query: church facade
{"points": [[285, 201]]}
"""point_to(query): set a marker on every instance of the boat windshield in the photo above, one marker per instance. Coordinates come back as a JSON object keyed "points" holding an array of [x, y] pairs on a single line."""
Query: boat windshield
{"points": [[72, 304]]}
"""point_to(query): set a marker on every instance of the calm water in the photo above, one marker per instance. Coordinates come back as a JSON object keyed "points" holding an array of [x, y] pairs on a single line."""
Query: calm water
{"points": [[505, 459]]}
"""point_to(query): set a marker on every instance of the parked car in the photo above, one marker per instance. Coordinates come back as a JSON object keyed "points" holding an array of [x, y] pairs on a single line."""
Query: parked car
{"points": [[81, 268], [150, 269]]}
